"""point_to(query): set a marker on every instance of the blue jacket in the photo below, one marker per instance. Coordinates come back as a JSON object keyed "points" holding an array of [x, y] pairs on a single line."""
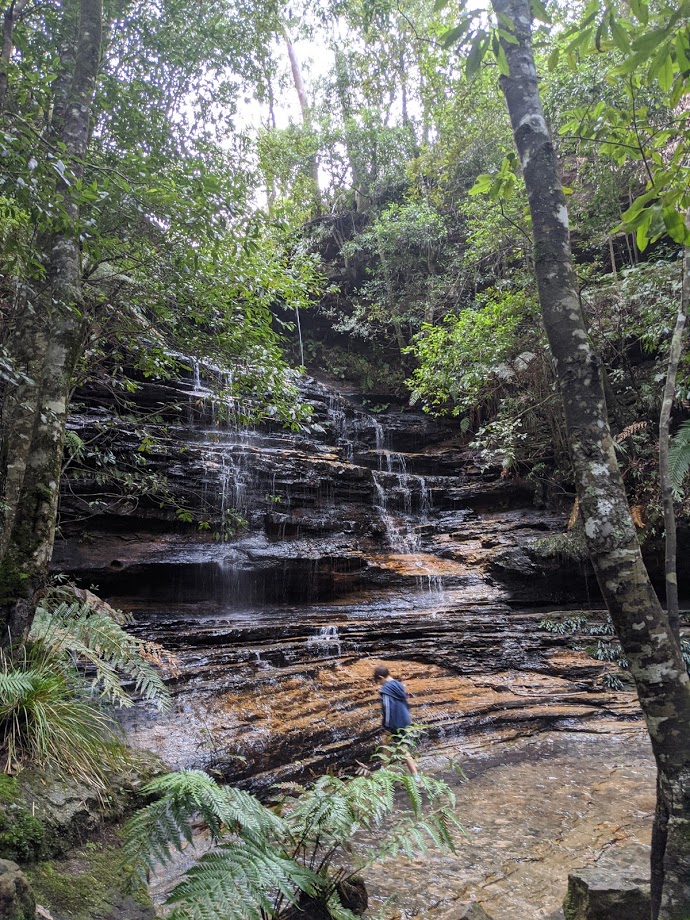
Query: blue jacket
{"points": [[394, 706]]}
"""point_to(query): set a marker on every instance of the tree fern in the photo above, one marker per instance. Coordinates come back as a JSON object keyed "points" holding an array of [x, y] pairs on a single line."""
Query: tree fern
{"points": [[239, 881], [48, 714], [679, 459], [264, 857], [185, 797]]}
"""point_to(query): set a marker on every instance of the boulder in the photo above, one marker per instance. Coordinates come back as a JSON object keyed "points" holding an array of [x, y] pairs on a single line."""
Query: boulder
{"points": [[606, 894], [17, 901]]}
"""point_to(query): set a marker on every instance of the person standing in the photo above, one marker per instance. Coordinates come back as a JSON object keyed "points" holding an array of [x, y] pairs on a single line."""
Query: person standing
{"points": [[395, 711]]}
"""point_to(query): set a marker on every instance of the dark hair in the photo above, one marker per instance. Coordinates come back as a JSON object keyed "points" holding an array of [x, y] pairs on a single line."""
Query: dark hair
{"points": [[381, 671]]}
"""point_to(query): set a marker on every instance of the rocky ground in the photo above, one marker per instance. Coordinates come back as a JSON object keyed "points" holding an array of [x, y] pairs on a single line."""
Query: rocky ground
{"points": [[535, 808]]}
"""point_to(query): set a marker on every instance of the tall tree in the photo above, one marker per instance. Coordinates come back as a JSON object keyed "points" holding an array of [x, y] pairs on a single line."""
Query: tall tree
{"points": [[46, 341], [642, 625]]}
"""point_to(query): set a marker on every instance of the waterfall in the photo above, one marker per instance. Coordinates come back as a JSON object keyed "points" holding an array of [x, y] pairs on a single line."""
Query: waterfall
{"points": [[401, 535]]}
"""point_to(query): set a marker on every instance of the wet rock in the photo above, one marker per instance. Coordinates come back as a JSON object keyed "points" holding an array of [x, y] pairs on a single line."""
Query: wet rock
{"points": [[466, 911], [606, 894], [16, 898]]}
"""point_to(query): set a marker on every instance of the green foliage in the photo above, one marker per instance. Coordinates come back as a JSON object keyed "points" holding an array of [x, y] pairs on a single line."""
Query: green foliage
{"points": [[51, 715], [21, 835], [92, 882], [567, 547], [47, 721], [679, 459], [608, 648], [79, 634], [302, 844], [468, 361]]}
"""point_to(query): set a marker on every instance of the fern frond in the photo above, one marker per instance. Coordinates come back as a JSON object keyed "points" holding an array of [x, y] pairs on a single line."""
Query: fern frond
{"points": [[337, 910], [238, 882], [76, 630], [679, 459], [249, 873], [186, 796], [634, 428]]}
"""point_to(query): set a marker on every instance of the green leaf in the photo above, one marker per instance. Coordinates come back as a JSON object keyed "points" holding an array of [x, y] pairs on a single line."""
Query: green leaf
{"points": [[648, 42], [539, 11], [641, 237], [552, 62], [631, 63], [440, 5], [635, 209], [476, 55], [666, 74], [640, 10], [509, 37], [681, 56], [658, 61], [675, 225], [456, 34], [619, 35], [482, 184], [502, 61]]}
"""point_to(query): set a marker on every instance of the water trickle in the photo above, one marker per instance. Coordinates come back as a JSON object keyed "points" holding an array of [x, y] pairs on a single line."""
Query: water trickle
{"points": [[327, 642], [338, 418], [400, 533]]}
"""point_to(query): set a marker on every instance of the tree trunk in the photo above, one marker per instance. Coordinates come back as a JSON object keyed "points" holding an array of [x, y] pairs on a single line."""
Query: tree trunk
{"points": [[12, 13], [46, 342], [642, 625], [305, 110], [675, 352], [354, 156]]}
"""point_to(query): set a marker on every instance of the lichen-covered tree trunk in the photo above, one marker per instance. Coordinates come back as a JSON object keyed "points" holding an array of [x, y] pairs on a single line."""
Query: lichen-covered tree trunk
{"points": [[45, 343], [675, 351], [642, 625]]}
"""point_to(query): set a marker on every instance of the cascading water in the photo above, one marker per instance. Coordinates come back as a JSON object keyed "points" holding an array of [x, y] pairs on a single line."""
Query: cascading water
{"points": [[342, 563], [326, 643]]}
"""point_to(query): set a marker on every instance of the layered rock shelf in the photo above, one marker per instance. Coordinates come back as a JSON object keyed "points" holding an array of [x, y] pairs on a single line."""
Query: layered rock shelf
{"points": [[362, 539]]}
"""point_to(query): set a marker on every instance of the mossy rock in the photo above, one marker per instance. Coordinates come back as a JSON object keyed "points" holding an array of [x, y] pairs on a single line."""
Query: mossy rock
{"points": [[44, 817], [16, 897], [92, 884]]}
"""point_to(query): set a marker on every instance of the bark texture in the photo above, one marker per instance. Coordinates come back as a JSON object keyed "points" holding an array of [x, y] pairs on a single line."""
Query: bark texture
{"points": [[675, 352], [45, 342], [10, 16], [641, 624]]}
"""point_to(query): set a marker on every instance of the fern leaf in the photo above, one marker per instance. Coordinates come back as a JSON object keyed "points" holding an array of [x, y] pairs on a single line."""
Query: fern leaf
{"points": [[238, 882], [76, 629], [337, 910], [152, 833], [679, 459]]}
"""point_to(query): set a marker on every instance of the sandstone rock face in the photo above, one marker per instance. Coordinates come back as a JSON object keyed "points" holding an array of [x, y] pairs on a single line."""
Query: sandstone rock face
{"points": [[367, 538], [315, 508], [16, 898], [606, 894]]}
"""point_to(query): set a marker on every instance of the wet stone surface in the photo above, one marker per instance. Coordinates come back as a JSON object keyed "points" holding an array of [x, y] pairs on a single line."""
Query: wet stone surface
{"points": [[534, 809]]}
